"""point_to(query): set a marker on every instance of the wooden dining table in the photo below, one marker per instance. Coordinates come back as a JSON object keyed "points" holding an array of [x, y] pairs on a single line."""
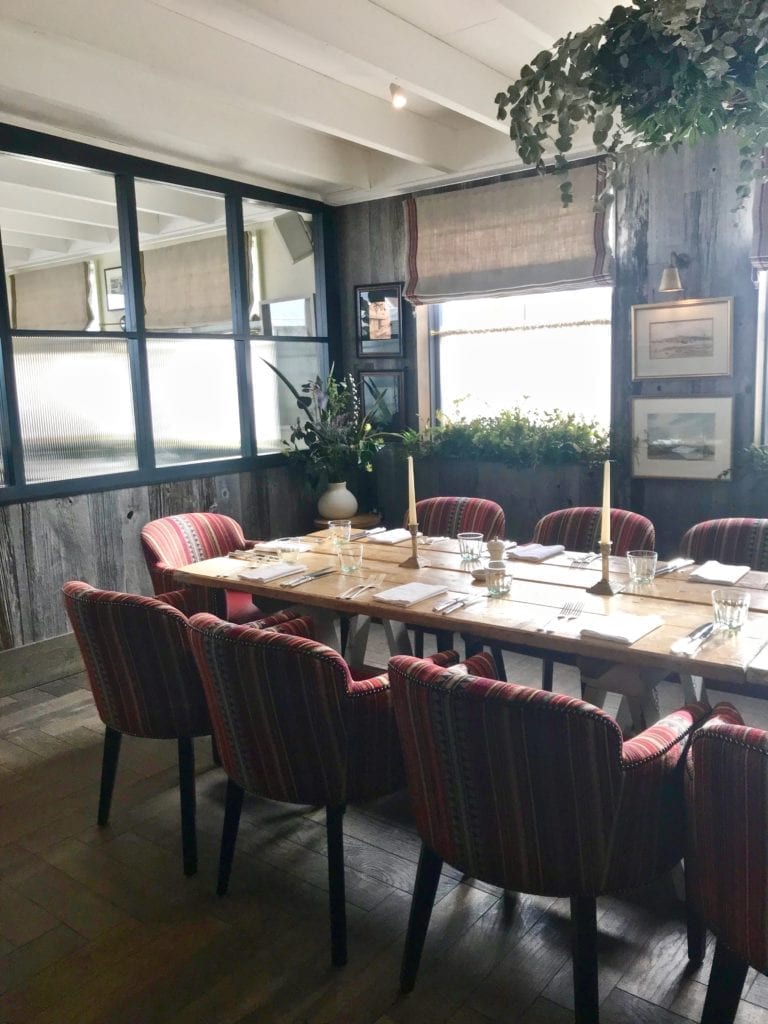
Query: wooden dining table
{"points": [[526, 617]]}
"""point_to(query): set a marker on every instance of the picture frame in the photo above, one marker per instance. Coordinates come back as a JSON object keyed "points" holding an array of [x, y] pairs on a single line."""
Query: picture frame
{"points": [[683, 338], [113, 288], [685, 438], [378, 316], [385, 387]]}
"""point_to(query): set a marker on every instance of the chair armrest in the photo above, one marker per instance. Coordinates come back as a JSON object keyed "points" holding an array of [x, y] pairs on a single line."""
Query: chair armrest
{"points": [[292, 625], [185, 599], [666, 739]]}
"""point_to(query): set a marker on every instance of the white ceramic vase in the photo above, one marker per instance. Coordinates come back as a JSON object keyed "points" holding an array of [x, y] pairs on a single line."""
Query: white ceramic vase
{"points": [[337, 502]]}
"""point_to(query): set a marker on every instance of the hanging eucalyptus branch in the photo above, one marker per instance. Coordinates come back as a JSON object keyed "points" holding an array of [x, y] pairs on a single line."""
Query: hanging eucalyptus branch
{"points": [[653, 75]]}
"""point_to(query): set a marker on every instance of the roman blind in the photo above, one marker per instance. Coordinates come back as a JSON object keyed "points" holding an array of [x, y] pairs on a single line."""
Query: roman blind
{"points": [[506, 237], [187, 285], [52, 298]]}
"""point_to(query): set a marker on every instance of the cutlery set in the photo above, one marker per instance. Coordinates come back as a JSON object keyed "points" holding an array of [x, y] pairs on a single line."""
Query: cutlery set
{"points": [[674, 565], [307, 576], [582, 560], [453, 605], [690, 644], [570, 610]]}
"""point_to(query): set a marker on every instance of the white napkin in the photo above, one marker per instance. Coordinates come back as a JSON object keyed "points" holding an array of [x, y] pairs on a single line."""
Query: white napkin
{"points": [[273, 571], [281, 545], [410, 593], [390, 536], [623, 627], [535, 552], [717, 572]]}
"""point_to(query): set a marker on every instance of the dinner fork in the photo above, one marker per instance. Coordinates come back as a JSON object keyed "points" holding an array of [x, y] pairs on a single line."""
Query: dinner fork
{"points": [[570, 610]]}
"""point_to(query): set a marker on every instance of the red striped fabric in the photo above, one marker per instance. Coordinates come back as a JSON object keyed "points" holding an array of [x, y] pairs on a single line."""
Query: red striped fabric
{"points": [[447, 517], [535, 791], [578, 529], [735, 541]]}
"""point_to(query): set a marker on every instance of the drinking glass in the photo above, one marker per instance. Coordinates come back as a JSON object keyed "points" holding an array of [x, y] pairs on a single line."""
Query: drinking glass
{"points": [[340, 530], [470, 546], [497, 580], [641, 565], [729, 608], [290, 548], [350, 557]]}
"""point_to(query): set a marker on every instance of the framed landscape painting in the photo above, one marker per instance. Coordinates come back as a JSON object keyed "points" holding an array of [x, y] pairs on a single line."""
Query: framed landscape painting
{"points": [[687, 338], [688, 438]]}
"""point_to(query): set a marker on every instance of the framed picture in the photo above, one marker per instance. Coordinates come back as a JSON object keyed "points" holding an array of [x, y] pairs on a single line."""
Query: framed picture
{"points": [[379, 323], [688, 338], [381, 393], [113, 288], [688, 438]]}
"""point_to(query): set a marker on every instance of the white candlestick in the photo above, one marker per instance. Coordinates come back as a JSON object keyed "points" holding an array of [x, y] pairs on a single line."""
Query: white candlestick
{"points": [[411, 494], [605, 525]]}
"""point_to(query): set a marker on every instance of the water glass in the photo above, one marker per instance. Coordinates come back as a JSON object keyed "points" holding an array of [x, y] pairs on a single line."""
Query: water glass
{"points": [[641, 565], [340, 530], [290, 548], [350, 557], [497, 580], [470, 546], [729, 608]]}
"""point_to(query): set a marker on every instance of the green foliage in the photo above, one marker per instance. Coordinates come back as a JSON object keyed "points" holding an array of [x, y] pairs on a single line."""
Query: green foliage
{"points": [[655, 74], [749, 463], [514, 437]]}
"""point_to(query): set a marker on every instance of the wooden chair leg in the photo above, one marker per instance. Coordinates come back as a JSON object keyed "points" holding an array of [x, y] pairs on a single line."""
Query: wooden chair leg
{"points": [[187, 797], [725, 984], [109, 759], [585, 987], [547, 674], [427, 878], [232, 808], [334, 821]]}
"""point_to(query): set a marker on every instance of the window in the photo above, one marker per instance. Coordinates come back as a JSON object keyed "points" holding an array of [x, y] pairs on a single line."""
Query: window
{"points": [[542, 351]]}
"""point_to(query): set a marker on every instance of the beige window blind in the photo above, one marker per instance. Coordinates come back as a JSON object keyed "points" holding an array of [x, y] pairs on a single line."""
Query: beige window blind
{"points": [[506, 237], [51, 299], [187, 285]]}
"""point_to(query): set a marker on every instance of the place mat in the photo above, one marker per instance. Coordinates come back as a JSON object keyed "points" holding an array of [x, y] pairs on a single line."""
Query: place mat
{"points": [[718, 572], [282, 545], [390, 537], [623, 627], [410, 593], [535, 552], [274, 571]]}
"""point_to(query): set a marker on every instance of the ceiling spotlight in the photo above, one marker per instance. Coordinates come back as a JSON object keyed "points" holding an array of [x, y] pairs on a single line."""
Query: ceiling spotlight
{"points": [[399, 99]]}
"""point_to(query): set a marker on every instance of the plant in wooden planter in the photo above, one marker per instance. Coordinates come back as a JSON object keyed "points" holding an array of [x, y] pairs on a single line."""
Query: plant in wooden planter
{"points": [[654, 75]]}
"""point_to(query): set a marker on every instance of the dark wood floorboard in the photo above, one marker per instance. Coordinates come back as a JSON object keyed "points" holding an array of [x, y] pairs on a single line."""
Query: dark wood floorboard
{"points": [[101, 926]]}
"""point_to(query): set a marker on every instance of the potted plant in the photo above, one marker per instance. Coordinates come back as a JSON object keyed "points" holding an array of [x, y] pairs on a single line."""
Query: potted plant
{"points": [[655, 74], [331, 440]]}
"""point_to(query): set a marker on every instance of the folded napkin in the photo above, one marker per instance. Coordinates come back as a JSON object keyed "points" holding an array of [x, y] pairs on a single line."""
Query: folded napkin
{"points": [[272, 571], [623, 627], [717, 572], [390, 537], [410, 593], [535, 552], [281, 545]]}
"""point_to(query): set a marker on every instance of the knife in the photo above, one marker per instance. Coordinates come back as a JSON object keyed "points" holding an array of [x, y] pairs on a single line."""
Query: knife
{"points": [[465, 603], [309, 576], [691, 643], [674, 565]]}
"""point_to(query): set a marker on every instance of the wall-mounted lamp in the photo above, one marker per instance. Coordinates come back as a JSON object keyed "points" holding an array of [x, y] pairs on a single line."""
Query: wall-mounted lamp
{"points": [[399, 99], [670, 276]]}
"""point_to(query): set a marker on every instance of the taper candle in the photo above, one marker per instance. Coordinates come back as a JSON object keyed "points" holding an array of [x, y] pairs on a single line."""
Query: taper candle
{"points": [[411, 494], [605, 524]]}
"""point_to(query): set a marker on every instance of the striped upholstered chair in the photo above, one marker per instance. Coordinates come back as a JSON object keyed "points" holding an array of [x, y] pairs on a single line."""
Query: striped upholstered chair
{"points": [[572, 811], [736, 541], [727, 795], [292, 724], [175, 541], [578, 529]]}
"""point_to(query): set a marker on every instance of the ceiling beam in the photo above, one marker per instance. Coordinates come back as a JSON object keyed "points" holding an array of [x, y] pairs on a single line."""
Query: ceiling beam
{"points": [[15, 256], [67, 208], [42, 242], [52, 227]]}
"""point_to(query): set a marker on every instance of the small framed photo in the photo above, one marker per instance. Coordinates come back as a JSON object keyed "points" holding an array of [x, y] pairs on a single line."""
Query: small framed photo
{"points": [[379, 321], [381, 394], [687, 438], [687, 338], [113, 288]]}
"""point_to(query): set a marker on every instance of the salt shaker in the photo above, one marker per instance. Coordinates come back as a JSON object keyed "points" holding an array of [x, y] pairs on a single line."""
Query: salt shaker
{"points": [[496, 549]]}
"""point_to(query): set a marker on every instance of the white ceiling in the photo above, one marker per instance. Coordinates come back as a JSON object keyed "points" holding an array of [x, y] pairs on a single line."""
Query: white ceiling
{"points": [[292, 94]]}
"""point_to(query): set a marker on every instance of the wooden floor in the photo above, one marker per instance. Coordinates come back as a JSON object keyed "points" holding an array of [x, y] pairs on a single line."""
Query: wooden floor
{"points": [[101, 927]]}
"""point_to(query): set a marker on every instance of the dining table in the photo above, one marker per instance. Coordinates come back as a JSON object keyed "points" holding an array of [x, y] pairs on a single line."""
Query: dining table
{"points": [[532, 616]]}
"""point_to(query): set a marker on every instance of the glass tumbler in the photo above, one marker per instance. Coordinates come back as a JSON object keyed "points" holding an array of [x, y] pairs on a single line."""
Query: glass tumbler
{"points": [[470, 546], [497, 580], [290, 548], [641, 566], [340, 530], [350, 557], [729, 608]]}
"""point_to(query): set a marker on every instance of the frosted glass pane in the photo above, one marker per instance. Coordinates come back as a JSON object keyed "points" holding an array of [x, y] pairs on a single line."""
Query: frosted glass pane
{"points": [[193, 392], [274, 406], [75, 406]]}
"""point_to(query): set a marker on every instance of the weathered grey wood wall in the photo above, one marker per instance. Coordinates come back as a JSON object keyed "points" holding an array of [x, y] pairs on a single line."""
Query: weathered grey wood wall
{"points": [[95, 537]]}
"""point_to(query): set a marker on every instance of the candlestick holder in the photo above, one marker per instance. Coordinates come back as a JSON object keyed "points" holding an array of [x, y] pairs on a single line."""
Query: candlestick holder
{"points": [[413, 562], [604, 587]]}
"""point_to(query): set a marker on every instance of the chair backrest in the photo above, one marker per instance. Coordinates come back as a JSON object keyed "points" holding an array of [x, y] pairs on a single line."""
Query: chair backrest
{"points": [[176, 541], [728, 826], [737, 541], [515, 786], [579, 530], [139, 663], [447, 517], [276, 705]]}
